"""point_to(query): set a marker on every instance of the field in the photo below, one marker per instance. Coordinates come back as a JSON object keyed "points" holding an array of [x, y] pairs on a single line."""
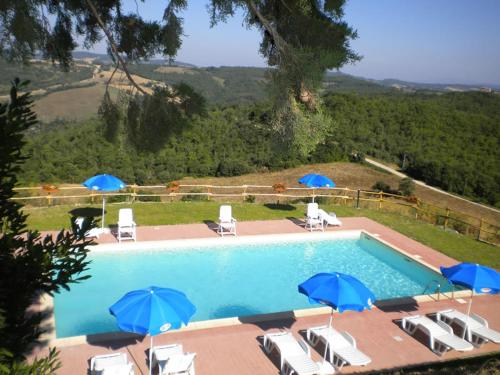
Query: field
{"points": [[73, 104], [353, 176]]}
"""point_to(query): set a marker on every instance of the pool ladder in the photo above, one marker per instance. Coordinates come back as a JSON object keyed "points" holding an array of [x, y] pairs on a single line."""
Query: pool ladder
{"points": [[437, 289]]}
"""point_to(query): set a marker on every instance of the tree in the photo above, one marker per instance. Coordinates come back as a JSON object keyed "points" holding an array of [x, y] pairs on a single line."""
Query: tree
{"points": [[30, 265], [300, 38]]}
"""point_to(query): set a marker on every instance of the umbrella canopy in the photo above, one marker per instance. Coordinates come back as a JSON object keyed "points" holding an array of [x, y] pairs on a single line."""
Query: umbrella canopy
{"points": [[479, 278], [316, 181], [152, 310], [339, 291], [104, 182]]}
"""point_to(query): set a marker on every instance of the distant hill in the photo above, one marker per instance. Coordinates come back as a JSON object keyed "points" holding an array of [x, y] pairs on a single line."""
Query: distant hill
{"points": [[104, 58], [221, 86]]}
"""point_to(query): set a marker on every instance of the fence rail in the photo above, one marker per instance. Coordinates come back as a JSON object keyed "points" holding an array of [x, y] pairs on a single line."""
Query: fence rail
{"points": [[445, 217]]}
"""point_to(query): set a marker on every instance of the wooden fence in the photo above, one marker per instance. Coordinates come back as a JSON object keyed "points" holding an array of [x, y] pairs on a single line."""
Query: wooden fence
{"points": [[448, 219]]}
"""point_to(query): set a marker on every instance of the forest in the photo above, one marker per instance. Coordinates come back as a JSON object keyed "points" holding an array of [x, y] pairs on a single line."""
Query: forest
{"points": [[448, 140]]}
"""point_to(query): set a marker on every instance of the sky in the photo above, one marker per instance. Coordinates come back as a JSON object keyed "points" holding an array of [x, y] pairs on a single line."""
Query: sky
{"points": [[435, 41]]}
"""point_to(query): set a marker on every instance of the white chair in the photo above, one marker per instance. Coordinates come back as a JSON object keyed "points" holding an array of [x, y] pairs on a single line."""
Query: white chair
{"points": [[126, 225], [341, 346], [227, 224], [91, 233], [313, 220], [111, 364], [329, 218], [441, 337], [475, 328], [171, 359], [295, 356]]}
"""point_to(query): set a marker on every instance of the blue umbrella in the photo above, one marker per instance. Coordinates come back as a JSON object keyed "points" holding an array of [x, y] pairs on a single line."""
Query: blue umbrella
{"points": [[152, 311], [339, 291], [104, 182], [316, 181], [476, 277]]}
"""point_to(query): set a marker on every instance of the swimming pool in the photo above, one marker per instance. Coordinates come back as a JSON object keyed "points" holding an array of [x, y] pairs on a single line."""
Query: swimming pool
{"points": [[237, 277]]}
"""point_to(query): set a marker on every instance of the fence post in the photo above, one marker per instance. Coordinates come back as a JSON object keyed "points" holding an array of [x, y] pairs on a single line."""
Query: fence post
{"points": [[480, 227], [447, 217], [416, 209], [244, 194], [380, 200], [208, 193], [49, 199], [357, 199]]}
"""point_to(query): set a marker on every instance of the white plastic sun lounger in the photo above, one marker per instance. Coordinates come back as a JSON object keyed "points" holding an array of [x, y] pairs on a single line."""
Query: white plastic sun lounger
{"points": [[341, 346], [295, 356], [91, 233], [475, 328], [126, 225], [441, 337], [227, 224], [111, 364], [171, 359], [329, 218], [313, 220]]}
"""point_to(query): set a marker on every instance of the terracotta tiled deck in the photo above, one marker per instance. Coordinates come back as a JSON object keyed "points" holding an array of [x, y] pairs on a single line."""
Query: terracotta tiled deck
{"points": [[237, 349]]}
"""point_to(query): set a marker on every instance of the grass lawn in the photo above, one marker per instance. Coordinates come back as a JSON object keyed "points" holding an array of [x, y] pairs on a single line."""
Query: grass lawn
{"points": [[454, 245]]}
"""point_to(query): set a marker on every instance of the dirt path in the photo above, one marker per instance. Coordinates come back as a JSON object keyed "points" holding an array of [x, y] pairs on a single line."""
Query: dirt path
{"points": [[402, 175]]}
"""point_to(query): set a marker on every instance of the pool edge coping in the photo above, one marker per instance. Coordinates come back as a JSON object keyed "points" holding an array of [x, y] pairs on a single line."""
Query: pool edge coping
{"points": [[47, 301]]}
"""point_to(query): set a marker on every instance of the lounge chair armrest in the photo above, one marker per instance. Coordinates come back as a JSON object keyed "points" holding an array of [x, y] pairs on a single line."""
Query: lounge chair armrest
{"points": [[445, 326], [442, 312], [305, 347], [349, 338], [479, 319]]}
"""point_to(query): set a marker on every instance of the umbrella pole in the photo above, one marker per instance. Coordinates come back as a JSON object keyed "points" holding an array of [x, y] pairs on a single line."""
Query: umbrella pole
{"points": [[103, 211], [313, 196], [468, 314], [151, 355], [328, 333]]}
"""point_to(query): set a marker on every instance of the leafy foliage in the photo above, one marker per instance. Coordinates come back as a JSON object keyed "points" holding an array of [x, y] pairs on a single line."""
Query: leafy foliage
{"points": [[29, 264], [430, 129]]}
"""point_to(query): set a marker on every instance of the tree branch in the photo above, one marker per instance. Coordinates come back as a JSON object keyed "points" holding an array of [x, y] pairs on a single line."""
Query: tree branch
{"points": [[113, 46], [111, 77], [278, 40]]}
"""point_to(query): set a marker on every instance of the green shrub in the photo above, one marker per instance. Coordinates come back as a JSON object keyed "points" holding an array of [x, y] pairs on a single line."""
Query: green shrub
{"points": [[382, 186], [250, 199], [407, 186]]}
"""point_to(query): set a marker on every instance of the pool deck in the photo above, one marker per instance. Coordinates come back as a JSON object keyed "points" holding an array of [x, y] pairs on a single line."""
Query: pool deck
{"points": [[238, 349]]}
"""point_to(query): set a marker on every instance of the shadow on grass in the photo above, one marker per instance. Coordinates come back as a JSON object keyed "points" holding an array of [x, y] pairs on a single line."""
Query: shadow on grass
{"points": [[280, 206], [86, 212]]}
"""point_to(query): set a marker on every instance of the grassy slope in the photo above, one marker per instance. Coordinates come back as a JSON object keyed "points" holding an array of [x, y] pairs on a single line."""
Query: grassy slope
{"points": [[455, 245]]}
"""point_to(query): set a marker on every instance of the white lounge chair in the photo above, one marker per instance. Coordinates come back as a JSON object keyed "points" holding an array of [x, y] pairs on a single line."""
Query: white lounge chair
{"points": [[171, 359], [227, 224], [126, 225], [441, 337], [329, 218], [313, 220], [295, 356], [341, 346], [91, 233], [111, 364], [475, 328]]}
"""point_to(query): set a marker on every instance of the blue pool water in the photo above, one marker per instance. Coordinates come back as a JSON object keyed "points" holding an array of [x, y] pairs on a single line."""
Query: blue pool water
{"points": [[237, 280]]}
